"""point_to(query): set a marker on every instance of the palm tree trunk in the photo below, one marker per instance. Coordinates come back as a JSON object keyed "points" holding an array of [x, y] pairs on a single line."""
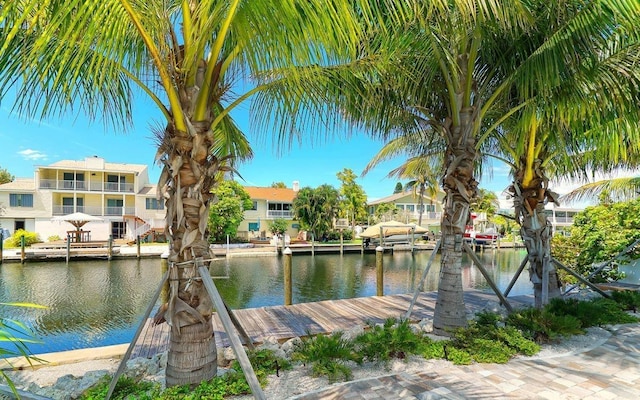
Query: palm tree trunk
{"points": [[460, 188], [186, 182], [536, 232], [421, 204]]}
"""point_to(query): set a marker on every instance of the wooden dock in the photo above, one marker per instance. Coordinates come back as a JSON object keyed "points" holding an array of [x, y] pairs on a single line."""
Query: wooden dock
{"points": [[286, 322]]}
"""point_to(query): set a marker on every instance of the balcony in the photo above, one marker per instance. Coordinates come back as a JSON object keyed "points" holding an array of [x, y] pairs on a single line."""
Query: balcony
{"points": [[53, 184], [93, 210], [273, 214]]}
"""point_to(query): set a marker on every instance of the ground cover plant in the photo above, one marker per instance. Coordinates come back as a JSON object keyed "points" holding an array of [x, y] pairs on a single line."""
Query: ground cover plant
{"points": [[488, 338], [232, 383]]}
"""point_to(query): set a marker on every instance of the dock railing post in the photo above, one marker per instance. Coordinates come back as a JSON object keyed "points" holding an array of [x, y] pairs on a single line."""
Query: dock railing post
{"points": [[313, 248], [287, 277], [139, 244], [110, 247], [68, 248], [1, 244], [379, 271]]}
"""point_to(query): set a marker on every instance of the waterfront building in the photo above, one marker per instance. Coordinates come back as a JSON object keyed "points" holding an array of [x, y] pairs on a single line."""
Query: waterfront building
{"points": [[119, 194], [269, 204], [408, 209]]}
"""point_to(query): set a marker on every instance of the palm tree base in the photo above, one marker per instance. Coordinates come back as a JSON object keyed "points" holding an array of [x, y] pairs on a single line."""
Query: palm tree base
{"points": [[192, 356]]}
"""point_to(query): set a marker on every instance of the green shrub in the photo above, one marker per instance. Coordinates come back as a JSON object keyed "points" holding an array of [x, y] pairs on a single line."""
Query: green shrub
{"points": [[327, 355], [391, 340], [125, 387], [485, 341], [29, 238], [516, 340], [264, 363], [595, 312], [431, 349], [628, 299], [347, 234], [543, 326], [456, 356], [53, 238]]}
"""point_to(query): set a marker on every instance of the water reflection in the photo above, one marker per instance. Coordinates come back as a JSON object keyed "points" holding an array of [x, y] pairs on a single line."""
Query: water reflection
{"points": [[98, 303]]}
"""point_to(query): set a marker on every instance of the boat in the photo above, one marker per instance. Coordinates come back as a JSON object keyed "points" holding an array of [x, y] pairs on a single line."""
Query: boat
{"points": [[488, 236], [392, 233]]}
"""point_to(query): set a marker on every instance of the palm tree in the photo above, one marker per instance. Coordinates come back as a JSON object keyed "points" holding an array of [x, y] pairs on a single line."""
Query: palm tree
{"points": [[616, 189], [419, 168], [564, 133], [463, 69], [189, 58]]}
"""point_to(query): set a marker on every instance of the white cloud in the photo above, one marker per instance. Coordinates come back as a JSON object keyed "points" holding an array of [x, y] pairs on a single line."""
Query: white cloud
{"points": [[30, 154]]}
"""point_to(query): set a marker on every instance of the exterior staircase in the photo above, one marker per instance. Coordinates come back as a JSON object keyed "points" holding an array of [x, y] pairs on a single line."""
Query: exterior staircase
{"points": [[140, 228]]}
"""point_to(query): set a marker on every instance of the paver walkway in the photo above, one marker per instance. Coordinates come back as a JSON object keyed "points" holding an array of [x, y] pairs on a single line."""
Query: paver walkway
{"points": [[609, 370]]}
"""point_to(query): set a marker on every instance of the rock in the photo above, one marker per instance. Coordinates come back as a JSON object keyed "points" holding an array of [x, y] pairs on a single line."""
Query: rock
{"points": [[426, 325], [228, 355], [353, 332], [291, 345]]}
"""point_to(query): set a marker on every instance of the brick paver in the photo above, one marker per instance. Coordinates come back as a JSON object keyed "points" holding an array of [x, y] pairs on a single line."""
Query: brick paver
{"points": [[608, 371]]}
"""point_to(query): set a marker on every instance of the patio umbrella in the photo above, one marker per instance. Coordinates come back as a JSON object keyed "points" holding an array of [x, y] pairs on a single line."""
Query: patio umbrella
{"points": [[392, 228], [77, 219]]}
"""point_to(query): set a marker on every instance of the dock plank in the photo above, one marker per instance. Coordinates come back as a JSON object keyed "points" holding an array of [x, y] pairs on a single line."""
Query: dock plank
{"points": [[286, 322]]}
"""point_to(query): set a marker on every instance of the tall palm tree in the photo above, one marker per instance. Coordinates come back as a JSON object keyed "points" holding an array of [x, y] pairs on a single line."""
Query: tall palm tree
{"points": [[466, 67], [189, 58], [421, 169], [564, 133]]}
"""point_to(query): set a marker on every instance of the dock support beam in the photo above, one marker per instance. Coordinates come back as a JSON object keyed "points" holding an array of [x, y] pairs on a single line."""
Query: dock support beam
{"points": [[379, 271], [287, 277]]}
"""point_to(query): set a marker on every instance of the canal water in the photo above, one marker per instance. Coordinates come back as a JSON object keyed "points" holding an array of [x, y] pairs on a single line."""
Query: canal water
{"points": [[99, 303]]}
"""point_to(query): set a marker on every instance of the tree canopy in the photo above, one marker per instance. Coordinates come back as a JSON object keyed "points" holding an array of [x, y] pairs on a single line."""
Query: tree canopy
{"points": [[5, 176], [317, 208], [353, 199], [227, 210], [600, 233]]}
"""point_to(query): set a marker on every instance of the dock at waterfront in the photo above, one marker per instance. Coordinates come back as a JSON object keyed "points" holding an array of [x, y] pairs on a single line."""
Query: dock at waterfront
{"points": [[286, 322]]}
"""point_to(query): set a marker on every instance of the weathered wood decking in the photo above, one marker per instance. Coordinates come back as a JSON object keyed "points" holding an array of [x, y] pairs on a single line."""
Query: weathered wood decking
{"points": [[285, 322]]}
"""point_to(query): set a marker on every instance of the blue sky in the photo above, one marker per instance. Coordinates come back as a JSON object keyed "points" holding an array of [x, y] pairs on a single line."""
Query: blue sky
{"points": [[28, 143]]}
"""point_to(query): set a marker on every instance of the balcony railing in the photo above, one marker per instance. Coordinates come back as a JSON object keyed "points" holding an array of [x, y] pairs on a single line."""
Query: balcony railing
{"points": [[54, 184], [279, 214], [93, 210], [562, 220]]}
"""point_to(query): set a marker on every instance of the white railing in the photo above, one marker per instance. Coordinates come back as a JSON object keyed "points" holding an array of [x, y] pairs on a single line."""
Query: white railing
{"points": [[563, 220], [141, 230], [93, 186], [279, 214]]}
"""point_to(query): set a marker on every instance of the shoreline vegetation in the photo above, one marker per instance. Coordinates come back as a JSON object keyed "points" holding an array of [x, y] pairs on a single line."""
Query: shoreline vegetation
{"points": [[376, 349]]}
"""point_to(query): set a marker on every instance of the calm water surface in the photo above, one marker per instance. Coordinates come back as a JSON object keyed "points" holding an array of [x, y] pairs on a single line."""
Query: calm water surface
{"points": [[99, 303]]}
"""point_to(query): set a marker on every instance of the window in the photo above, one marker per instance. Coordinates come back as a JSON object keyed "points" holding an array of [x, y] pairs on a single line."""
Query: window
{"points": [[20, 200], [254, 205], [154, 204], [114, 207], [410, 207], [115, 183], [254, 226], [67, 205]]}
